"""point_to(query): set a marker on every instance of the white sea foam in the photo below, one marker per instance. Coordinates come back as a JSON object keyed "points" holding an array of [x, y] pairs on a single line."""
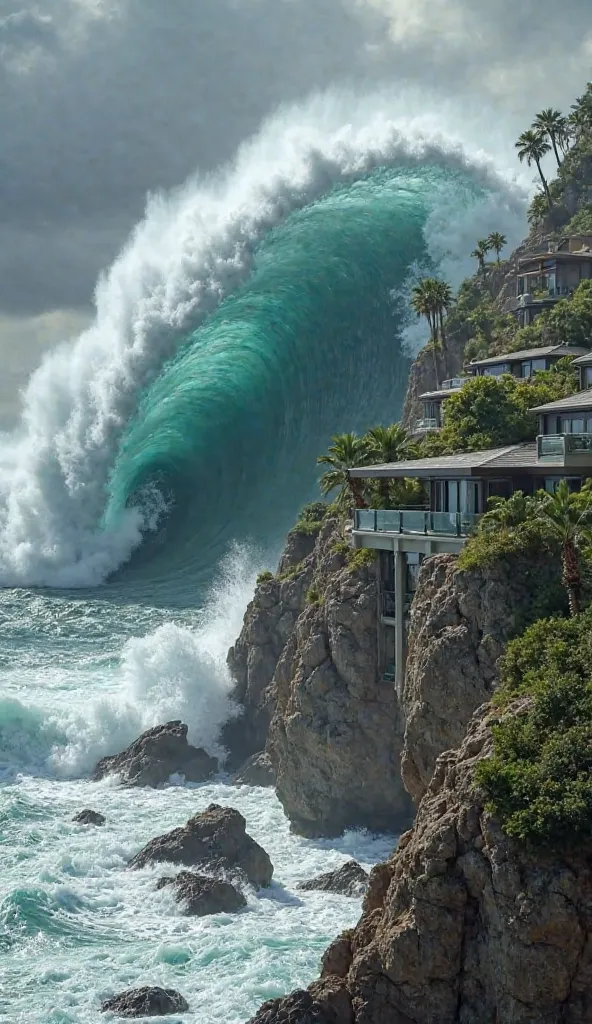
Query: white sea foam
{"points": [[192, 248]]}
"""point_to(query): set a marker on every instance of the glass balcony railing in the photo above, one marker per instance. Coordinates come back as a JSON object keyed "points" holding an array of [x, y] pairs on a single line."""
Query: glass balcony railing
{"points": [[453, 383], [427, 423], [418, 521], [556, 447]]}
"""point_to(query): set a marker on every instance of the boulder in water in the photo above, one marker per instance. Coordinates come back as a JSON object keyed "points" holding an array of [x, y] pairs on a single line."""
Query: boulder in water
{"points": [[88, 817], [256, 771], [155, 756], [149, 1001], [216, 841], [202, 895], [349, 880], [298, 1008]]}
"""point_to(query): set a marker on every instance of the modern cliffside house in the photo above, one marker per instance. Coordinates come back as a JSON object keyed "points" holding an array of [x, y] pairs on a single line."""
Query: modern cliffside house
{"points": [[457, 490], [525, 363], [432, 405], [520, 364], [546, 277]]}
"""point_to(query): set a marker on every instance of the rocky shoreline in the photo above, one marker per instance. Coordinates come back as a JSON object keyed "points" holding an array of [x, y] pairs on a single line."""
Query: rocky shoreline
{"points": [[460, 924]]}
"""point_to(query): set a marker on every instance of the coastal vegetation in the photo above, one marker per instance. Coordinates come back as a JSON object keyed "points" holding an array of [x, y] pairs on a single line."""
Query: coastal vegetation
{"points": [[539, 780]]}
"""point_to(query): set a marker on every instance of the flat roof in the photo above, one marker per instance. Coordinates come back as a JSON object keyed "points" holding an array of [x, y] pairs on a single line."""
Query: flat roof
{"points": [[443, 393], [563, 254], [530, 353], [579, 402], [517, 456]]}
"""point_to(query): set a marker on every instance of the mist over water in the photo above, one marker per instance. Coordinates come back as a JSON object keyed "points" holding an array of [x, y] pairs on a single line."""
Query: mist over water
{"points": [[159, 461]]}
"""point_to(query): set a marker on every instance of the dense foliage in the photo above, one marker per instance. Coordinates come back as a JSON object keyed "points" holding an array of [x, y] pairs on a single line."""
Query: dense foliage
{"points": [[539, 781]]}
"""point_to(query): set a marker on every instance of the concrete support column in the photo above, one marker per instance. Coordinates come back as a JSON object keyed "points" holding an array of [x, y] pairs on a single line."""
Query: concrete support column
{"points": [[400, 595]]}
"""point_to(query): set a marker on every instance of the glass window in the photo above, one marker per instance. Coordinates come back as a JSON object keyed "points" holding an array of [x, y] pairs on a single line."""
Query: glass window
{"points": [[500, 489], [451, 496], [572, 425], [587, 377], [496, 370], [526, 368], [538, 364]]}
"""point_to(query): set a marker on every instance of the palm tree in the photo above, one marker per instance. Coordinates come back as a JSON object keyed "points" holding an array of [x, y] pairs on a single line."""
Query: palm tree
{"points": [[344, 452], [580, 119], [387, 444], [567, 518], [423, 302], [532, 146], [480, 253], [443, 300], [552, 125], [496, 241]]}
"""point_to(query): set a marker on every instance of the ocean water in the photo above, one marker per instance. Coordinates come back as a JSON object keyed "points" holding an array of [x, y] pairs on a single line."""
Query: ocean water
{"points": [[159, 460]]}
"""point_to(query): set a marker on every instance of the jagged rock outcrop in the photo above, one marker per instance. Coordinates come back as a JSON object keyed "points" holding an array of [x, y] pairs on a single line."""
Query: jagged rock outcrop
{"points": [[215, 841], [348, 880], [149, 1001], [201, 896], [155, 756], [256, 771], [460, 623], [89, 817], [335, 739], [462, 925], [268, 624]]}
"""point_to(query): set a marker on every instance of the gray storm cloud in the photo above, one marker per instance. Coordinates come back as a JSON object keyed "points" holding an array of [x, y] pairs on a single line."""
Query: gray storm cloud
{"points": [[102, 101]]}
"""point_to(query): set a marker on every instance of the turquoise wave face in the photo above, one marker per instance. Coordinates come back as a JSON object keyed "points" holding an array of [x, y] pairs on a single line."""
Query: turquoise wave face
{"points": [[308, 346]]}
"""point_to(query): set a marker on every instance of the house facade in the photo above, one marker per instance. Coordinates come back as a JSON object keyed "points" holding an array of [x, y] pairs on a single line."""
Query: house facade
{"points": [[457, 489], [545, 278]]}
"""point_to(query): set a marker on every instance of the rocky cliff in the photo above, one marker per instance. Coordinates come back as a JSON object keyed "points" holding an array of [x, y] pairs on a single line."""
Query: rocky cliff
{"points": [[460, 623], [268, 624], [336, 735], [306, 666], [460, 926]]}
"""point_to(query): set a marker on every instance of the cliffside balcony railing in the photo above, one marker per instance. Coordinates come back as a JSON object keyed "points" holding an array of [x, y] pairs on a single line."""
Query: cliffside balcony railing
{"points": [[427, 423], [559, 447], [421, 521], [453, 383]]}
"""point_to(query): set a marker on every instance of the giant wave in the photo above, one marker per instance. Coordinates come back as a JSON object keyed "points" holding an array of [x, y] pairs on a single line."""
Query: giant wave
{"points": [[249, 317]]}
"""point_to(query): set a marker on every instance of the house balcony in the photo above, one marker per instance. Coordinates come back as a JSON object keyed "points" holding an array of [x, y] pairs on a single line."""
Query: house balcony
{"points": [[425, 425], [564, 449], [421, 522], [454, 383]]}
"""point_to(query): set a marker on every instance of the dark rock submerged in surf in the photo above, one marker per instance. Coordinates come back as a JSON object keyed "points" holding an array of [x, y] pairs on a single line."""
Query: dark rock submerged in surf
{"points": [[149, 1001], [155, 756], [201, 896], [215, 841]]}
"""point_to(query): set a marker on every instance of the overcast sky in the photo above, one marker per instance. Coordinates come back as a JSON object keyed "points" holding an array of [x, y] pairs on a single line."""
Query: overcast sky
{"points": [[102, 101]]}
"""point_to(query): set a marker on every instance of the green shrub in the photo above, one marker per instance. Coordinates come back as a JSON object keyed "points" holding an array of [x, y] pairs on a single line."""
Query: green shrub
{"points": [[265, 577], [358, 558], [313, 596], [539, 781], [341, 547], [311, 518], [292, 573]]}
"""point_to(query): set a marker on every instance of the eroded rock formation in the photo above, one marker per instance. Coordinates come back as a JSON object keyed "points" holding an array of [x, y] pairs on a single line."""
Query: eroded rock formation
{"points": [[215, 841], [461, 622], [348, 880], [461, 925], [149, 1001], [335, 738], [256, 771], [155, 756], [89, 817], [201, 896]]}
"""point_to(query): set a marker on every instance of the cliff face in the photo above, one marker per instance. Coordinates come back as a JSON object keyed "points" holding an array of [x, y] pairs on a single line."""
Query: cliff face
{"points": [[268, 624], [460, 624], [461, 926], [307, 673], [336, 736]]}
